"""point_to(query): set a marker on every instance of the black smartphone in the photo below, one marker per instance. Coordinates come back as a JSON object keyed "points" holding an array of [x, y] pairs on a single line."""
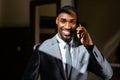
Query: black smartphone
{"points": [[83, 24], [76, 39]]}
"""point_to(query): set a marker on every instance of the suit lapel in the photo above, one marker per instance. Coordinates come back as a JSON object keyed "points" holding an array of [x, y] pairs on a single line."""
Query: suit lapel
{"points": [[52, 48], [56, 51]]}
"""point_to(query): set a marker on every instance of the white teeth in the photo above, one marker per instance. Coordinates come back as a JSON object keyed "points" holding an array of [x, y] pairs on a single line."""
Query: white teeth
{"points": [[66, 32]]}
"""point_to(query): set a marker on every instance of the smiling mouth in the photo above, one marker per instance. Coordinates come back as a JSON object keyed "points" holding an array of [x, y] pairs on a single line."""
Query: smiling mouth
{"points": [[66, 32]]}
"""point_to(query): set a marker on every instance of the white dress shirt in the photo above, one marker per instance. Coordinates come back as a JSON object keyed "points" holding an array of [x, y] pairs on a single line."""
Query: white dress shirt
{"points": [[62, 45], [81, 55]]}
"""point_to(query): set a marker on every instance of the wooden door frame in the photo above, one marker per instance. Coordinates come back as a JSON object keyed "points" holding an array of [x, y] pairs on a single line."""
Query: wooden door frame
{"points": [[33, 5]]}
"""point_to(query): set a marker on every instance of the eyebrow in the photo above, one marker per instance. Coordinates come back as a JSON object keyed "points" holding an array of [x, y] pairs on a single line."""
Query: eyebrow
{"points": [[66, 19]]}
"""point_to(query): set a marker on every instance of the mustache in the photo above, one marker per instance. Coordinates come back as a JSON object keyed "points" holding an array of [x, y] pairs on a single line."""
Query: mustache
{"points": [[68, 29]]}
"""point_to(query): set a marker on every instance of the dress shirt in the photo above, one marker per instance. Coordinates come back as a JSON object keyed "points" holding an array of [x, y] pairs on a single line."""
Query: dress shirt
{"points": [[82, 55], [62, 45]]}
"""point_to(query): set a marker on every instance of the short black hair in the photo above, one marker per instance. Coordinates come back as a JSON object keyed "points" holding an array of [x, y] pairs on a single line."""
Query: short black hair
{"points": [[67, 9]]}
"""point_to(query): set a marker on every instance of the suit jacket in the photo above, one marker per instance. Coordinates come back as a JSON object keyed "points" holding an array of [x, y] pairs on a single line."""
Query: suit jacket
{"points": [[47, 61]]}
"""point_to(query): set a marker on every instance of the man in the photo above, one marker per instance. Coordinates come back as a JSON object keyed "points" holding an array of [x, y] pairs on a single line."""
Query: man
{"points": [[50, 61]]}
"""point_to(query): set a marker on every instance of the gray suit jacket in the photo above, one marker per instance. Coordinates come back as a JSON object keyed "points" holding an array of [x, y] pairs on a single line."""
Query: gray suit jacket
{"points": [[47, 62]]}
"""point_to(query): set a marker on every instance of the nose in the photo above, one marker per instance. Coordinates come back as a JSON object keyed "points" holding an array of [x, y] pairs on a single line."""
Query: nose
{"points": [[67, 25]]}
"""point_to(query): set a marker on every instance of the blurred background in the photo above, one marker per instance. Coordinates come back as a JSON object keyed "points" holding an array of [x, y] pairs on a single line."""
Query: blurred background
{"points": [[24, 23]]}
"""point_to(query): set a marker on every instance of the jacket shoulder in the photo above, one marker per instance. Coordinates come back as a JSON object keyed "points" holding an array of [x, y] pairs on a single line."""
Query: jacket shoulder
{"points": [[45, 44]]}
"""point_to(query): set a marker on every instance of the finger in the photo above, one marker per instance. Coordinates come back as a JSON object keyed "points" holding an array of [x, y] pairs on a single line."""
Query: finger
{"points": [[78, 35], [82, 34], [80, 30], [79, 27]]}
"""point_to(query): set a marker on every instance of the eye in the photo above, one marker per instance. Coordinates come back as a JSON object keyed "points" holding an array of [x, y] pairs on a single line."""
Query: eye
{"points": [[63, 20], [73, 21]]}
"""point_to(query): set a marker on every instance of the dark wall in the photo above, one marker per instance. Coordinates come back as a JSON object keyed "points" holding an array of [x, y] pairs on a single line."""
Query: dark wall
{"points": [[15, 49]]}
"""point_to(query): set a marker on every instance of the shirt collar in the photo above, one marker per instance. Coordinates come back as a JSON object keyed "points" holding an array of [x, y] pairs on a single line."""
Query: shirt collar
{"points": [[61, 42]]}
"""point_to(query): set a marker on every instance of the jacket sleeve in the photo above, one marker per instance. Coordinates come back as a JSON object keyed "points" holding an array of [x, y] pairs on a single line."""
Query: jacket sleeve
{"points": [[98, 63], [32, 69]]}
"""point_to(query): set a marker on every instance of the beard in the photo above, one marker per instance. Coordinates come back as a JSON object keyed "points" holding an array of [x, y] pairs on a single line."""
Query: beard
{"points": [[66, 35]]}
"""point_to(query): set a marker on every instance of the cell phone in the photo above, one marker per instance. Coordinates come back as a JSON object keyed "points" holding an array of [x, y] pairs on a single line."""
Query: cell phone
{"points": [[75, 33]]}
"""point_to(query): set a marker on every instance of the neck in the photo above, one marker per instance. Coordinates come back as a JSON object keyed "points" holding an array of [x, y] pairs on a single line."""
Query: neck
{"points": [[65, 39]]}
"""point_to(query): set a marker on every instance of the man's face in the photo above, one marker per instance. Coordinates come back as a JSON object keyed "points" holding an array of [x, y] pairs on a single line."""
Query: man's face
{"points": [[66, 25]]}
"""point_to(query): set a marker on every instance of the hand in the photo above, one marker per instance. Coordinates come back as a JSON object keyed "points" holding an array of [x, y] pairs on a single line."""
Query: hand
{"points": [[84, 36]]}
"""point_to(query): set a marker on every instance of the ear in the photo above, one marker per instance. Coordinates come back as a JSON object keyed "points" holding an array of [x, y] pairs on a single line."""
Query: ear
{"points": [[57, 20]]}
